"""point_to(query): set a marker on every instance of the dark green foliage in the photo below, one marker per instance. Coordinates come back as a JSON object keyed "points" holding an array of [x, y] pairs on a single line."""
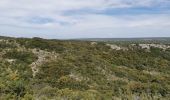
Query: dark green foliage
{"points": [[22, 56], [4, 44], [17, 88], [43, 44]]}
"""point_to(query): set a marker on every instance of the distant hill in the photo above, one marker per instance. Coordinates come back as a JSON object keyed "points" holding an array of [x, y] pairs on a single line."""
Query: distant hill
{"points": [[128, 39]]}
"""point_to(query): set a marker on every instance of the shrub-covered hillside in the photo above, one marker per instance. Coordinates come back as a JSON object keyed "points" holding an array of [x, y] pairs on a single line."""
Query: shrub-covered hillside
{"points": [[39, 69]]}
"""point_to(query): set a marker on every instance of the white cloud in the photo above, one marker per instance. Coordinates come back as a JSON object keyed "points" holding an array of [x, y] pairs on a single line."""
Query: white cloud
{"points": [[16, 15]]}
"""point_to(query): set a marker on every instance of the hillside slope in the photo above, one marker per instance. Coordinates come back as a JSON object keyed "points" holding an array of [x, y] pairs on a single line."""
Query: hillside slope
{"points": [[39, 69]]}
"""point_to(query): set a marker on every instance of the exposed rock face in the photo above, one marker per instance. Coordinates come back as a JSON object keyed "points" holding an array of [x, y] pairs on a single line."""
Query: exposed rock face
{"points": [[43, 56], [10, 60], [148, 46], [77, 77], [93, 43], [151, 72], [115, 47], [1, 40]]}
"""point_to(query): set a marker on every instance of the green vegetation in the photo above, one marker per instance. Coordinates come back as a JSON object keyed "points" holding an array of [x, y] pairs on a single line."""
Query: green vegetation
{"points": [[22, 56], [83, 70]]}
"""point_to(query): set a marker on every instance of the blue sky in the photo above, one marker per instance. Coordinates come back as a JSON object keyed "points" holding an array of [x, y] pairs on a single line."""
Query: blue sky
{"points": [[85, 18]]}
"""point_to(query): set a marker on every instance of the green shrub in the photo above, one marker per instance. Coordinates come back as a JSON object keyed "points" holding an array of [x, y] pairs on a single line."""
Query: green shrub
{"points": [[22, 56]]}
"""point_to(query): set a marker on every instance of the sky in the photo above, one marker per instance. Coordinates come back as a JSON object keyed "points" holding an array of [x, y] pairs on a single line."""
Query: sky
{"points": [[85, 18]]}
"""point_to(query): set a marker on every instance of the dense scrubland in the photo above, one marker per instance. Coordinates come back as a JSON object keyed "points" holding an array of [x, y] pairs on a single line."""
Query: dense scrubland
{"points": [[40, 69]]}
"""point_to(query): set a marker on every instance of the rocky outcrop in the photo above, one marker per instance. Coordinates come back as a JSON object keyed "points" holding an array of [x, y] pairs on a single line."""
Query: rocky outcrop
{"points": [[148, 46], [43, 56], [115, 47]]}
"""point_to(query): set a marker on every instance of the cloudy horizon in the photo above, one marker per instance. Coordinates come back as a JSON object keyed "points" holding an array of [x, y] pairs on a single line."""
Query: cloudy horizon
{"points": [[85, 18]]}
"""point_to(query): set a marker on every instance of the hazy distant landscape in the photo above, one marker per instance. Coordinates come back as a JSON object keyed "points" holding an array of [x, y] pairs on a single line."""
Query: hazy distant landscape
{"points": [[106, 69], [146, 39]]}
